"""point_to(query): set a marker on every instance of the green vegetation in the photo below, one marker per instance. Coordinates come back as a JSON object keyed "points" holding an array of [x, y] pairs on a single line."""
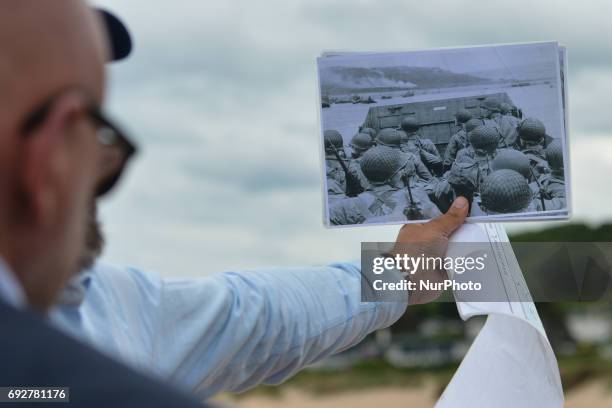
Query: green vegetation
{"points": [[575, 370], [567, 233], [367, 374]]}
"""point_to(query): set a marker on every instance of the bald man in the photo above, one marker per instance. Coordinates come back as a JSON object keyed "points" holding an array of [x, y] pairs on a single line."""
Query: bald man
{"points": [[57, 154]]}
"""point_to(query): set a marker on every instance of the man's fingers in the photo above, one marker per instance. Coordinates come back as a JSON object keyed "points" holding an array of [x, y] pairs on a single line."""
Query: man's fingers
{"points": [[453, 218]]}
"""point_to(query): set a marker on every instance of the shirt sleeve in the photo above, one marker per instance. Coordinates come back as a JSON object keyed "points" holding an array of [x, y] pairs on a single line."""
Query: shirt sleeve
{"points": [[234, 330]]}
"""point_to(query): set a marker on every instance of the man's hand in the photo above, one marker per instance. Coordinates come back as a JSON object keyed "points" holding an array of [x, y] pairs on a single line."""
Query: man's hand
{"points": [[429, 240]]}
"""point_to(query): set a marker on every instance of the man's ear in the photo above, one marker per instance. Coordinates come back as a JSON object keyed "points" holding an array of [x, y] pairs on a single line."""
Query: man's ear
{"points": [[45, 160]]}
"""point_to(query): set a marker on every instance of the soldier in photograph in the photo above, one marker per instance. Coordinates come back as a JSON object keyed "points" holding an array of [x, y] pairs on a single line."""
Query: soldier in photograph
{"points": [[343, 178], [507, 109], [482, 149], [502, 192], [511, 159], [360, 143], [335, 191], [460, 181], [553, 183], [389, 197], [505, 125], [490, 109], [424, 148], [335, 177], [392, 138], [532, 142], [459, 140], [369, 131], [508, 124]]}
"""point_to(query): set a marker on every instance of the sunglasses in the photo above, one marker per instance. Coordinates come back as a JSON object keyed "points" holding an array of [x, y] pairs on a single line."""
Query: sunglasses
{"points": [[109, 136]]}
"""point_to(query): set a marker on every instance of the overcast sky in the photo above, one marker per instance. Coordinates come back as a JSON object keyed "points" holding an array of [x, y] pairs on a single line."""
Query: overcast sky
{"points": [[222, 97]]}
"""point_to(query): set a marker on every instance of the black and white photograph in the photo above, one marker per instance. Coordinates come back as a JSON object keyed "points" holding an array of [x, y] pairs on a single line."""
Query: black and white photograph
{"points": [[405, 133]]}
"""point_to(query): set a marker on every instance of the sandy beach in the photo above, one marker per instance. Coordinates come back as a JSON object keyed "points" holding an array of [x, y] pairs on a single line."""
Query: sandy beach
{"points": [[593, 394]]}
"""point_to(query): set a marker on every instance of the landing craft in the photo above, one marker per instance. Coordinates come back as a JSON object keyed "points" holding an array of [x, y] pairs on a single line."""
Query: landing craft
{"points": [[437, 118]]}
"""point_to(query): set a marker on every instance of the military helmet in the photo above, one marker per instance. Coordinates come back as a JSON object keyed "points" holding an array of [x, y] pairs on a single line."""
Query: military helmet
{"points": [[369, 131], [491, 104], [464, 174], [472, 124], [505, 191], [512, 160], [554, 154], [532, 130], [379, 163], [410, 124], [334, 138], [505, 108], [361, 141], [484, 137], [463, 115], [389, 137]]}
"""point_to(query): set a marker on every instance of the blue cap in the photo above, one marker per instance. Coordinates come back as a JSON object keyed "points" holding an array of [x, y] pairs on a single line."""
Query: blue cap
{"points": [[118, 34]]}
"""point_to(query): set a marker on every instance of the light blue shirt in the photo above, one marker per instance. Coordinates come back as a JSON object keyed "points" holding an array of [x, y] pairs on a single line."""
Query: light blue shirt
{"points": [[11, 291], [229, 331]]}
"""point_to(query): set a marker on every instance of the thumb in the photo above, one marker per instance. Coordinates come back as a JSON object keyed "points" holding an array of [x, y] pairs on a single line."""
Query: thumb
{"points": [[454, 217]]}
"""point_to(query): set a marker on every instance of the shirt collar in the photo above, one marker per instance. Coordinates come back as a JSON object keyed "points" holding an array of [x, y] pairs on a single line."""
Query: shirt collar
{"points": [[11, 291], [74, 292]]}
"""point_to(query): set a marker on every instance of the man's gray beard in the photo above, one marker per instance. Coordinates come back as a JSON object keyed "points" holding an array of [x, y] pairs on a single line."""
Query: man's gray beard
{"points": [[94, 243], [75, 290]]}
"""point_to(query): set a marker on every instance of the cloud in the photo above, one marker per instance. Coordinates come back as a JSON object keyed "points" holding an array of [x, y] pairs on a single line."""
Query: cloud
{"points": [[589, 104]]}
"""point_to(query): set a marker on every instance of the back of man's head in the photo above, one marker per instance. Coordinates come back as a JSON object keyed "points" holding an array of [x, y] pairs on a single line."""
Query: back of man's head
{"points": [[52, 56]]}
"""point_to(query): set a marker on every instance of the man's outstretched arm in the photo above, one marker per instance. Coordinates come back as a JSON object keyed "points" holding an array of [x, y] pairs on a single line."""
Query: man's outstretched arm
{"points": [[234, 330]]}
